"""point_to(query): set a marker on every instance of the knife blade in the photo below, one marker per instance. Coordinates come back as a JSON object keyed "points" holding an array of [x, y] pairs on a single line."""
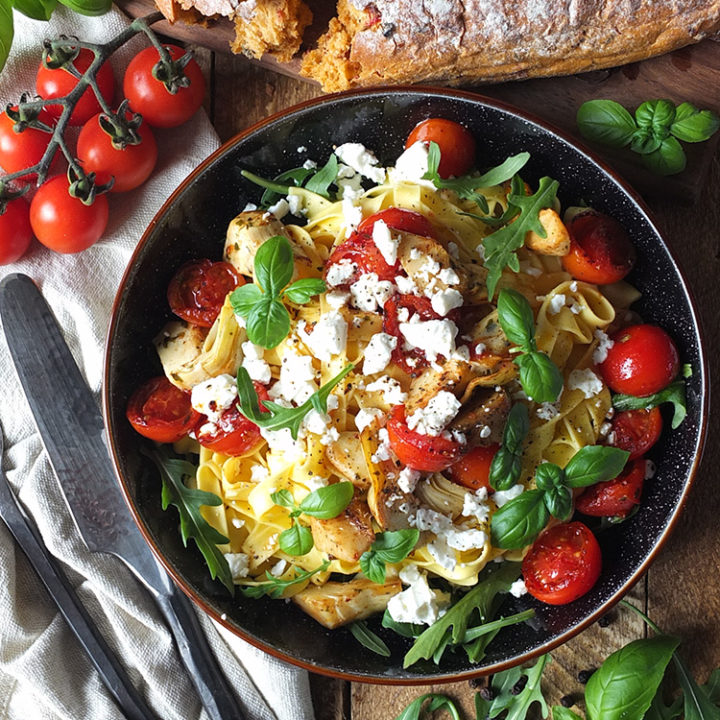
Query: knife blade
{"points": [[71, 429]]}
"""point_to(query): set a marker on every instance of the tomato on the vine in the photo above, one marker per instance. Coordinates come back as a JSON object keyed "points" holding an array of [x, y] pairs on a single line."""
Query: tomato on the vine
{"points": [[20, 150], [60, 82], [636, 430], [615, 497], [150, 97], [563, 564], [642, 360], [456, 142], [472, 470], [15, 231], [398, 219], [360, 249], [63, 223], [130, 166]]}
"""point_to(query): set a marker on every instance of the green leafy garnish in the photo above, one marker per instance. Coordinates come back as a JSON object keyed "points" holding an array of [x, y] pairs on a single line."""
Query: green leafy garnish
{"points": [[321, 181], [415, 710], [366, 637], [507, 463], [7, 30], [275, 587], [674, 393], [388, 547]]}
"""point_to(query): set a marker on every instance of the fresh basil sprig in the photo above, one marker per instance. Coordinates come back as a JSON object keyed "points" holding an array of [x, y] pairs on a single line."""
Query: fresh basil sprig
{"points": [[517, 523], [674, 393], [366, 637], [260, 304], [275, 587], [392, 546], [539, 376], [501, 245], [507, 463]]}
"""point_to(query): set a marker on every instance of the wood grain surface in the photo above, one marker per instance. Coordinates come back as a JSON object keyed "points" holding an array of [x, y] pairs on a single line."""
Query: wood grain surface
{"points": [[681, 591]]}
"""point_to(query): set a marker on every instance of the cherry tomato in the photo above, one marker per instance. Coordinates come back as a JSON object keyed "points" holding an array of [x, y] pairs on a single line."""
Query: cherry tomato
{"points": [[60, 82], [162, 412], [152, 100], [615, 497], [457, 145], [15, 231], [234, 434], [637, 430], [130, 167], [398, 219], [472, 470], [426, 453], [198, 290], [563, 564], [600, 249], [642, 361], [24, 149], [61, 222], [360, 249]]}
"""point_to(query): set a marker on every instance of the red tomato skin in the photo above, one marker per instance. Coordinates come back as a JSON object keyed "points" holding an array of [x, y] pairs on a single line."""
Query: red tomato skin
{"points": [[600, 249], [642, 361], [61, 222], [130, 167], [360, 249], [15, 231], [563, 564], [150, 98], [160, 411], [25, 149], [398, 219], [637, 430], [58, 83], [472, 470], [615, 497], [198, 290], [420, 452], [456, 142]]}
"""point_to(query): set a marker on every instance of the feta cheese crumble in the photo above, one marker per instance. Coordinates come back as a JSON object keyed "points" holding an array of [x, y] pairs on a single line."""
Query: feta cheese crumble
{"points": [[390, 388], [557, 303], [411, 166], [378, 353], [369, 293], [501, 497], [518, 589], [419, 603], [433, 337], [586, 381], [367, 416], [408, 479], [329, 336], [604, 344], [443, 301], [362, 160], [213, 396], [385, 242], [238, 563], [435, 416], [340, 273], [254, 362]]}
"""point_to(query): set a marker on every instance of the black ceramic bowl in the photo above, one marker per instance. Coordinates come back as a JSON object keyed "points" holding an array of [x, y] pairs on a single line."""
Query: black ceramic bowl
{"points": [[192, 224]]}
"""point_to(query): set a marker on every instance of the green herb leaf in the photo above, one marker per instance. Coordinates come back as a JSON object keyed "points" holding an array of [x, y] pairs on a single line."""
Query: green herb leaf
{"points": [[540, 378], [244, 298], [275, 587], [268, 322], [35, 9], [673, 393], [507, 464], [388, 547], [503, 172], [298, 177], [329, 501], [284, 498], [7, 31], [548, 475], [88, 7], [188, 502], [516, 704], [274, 265], [518, 522], [321, 181], [658, 710], [415, 710], [559, 502], [696, 703], [275, 187], [712, 686], [606, 122], [668, 159], [562, 713], [658, 115], [296, 540], [404, 629], [516, 318], [693, 125], [366, 637], [594, 464], [494, 625], [645, 141], [301, 291]]}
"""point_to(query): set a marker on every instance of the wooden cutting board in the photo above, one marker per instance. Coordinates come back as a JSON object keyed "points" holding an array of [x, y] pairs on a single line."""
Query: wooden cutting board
{"points": [[690, 74]]}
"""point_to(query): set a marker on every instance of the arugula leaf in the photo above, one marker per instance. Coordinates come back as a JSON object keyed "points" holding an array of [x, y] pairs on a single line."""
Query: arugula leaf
{"points": [[562, 713], [7, 31], [404, 629], [298, 177], [365, 636], [329, 501], [539, 376], [696, 703], [276, 187], [193, 525], [507, 699], [494, 625], [673, 393], [594, 464], [693, 125], [518, 522], [301, 291], [415, 711], [321, 181], [296, 540], [275, 587], [36, 9], [658, 710], [392, 546], [606, 122], [507, 463], [712, 686], [500, 246]]}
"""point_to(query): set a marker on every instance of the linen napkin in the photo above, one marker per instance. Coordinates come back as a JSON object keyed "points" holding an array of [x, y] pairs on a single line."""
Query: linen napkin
{"points": [[43, 671]]}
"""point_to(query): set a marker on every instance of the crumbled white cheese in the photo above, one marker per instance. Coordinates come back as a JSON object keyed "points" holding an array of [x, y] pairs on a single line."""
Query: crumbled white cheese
{"points": [[406, 286], [443, 301], [604, 344], [383, 451], [258, 473], [475, 505], [362, 160], [378, 353], [297, 379], [500, 497], [480, 348], [340, 273], [337, 299], [435, 416], [547, 411], [370, 293], [367, 416], [576, 309], [281, 441], [309, 165], [349, 182], [279, 567], [315, 482], [586, 381], [460, 538], [250, 207], [254, 362], [390, 388], [329, 336], [407, 480], [557, 303], [280, 209], [429, 269], [518, 589], [238, 563], [237, 523], [573, 286], [301, 149], [295, 204], [419, 603], [211, 397], [385, 242], [411, 166], [352, 215], [442, 553], [433, 337], [449, 276]]}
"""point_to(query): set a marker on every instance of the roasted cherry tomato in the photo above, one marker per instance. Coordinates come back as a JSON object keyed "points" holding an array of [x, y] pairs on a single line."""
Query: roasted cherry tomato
{"points": [[198, 290], [130, 166], [234, 434], [60, 82], [398, 219], [426, 453], [20, 150], [472, 470], [63, 223], [563, 564], [360, 249], [614, 498], [636, 430], [150, 97], [162, 412], [600, 249], [642, 361], [457, 144], [15, 231]]}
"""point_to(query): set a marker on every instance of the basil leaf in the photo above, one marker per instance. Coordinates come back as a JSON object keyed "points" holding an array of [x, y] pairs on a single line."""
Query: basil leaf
{"points": [[414, 711], [366, 637], [328, 502], [693, 125], [503, 172], [268, 323], [594, 464], [388, 547], [274, 265], [668, 159], [548, 475], [404, 629], [645, 141], [559, 502], [296, 540], [606, 122], [516, 318], [673, 393], [539, 376], [696, 702], [506, 465], [7, 31], [562, 713], [373, 567], [658, 115], [284, 498], [244, 298], [302, 290], [321, 181], [88, 7], [36, 9], [518, 522], [625, 684]]}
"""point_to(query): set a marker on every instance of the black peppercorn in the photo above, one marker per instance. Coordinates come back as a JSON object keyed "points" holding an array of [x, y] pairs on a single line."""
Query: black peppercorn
{"points": [[585, 675]]}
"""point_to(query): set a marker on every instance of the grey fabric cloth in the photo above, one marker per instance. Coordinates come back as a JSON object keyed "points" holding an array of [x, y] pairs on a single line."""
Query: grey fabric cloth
{"points": [[43, 671]]}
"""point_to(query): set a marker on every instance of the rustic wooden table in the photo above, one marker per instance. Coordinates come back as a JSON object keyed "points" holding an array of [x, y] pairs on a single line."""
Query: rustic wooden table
{"points": [[682, 589]]}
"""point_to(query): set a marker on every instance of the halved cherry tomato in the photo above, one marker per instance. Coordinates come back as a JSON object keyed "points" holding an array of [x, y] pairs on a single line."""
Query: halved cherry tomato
{"points": [[58, 83], [20, 150], [398, 219], [615, 497], [360, 249], [472, 470], [456, 142], [600, 249], [198, 290], [160, 411], [642, 361], [563, 564], [637, 430], [234, 434], [426, 453]]}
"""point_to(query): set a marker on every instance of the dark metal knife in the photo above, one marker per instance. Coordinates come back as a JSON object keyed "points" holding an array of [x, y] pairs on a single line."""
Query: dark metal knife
{"points": [[71, 429]]}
